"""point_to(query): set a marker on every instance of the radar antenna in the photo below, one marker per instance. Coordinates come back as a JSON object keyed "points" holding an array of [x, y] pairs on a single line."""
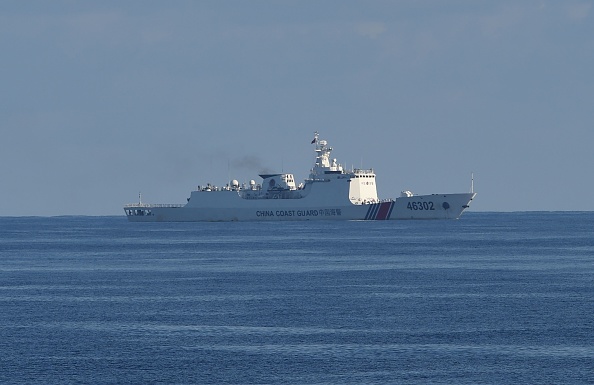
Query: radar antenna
{"points": [[315, 139]]}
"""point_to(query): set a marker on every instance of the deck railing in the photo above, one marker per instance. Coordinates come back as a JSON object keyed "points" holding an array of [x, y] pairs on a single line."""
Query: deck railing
{"points": [[151, 206]]}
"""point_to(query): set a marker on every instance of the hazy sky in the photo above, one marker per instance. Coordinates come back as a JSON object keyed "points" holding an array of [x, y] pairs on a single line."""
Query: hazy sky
{"points": [[103, 99]]}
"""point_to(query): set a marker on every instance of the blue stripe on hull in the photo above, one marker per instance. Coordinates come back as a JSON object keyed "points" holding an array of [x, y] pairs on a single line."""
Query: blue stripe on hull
{"points": [[369, 210]]}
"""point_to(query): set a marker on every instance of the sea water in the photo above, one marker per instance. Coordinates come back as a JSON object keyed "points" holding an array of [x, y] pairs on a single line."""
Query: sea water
{"points": [[492, 298]]}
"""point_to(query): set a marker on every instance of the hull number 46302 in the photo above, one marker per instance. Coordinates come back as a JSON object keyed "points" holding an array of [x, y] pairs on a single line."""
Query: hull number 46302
{"points": [[420, 206]]}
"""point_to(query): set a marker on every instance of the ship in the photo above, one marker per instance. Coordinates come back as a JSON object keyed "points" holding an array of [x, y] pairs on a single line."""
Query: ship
{"points": [[331, 192]]}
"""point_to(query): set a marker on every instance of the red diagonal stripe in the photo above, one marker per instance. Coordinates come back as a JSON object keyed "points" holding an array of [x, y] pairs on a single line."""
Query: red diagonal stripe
{"points": [[383, 211]]}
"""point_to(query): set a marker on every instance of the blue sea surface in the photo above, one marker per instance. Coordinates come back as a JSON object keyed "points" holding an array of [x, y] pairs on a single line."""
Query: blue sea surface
{"points": [[492, 298]]}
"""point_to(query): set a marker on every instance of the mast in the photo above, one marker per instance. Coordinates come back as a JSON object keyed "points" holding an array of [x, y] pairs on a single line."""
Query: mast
{"points": [[323, 162]]}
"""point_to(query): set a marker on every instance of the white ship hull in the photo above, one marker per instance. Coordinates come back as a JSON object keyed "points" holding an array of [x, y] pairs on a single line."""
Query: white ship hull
{"points": [[436, 206], [330, 193]]}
